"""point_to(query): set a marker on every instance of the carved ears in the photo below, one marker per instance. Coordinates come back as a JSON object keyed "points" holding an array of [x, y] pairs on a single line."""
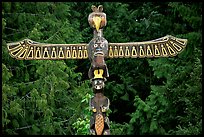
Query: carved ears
{"points": [[100, 8], [95, 9]]}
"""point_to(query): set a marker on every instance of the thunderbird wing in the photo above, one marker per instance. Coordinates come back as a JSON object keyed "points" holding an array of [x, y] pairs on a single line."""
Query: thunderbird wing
{"points": [[31, 50], [163, 47]]}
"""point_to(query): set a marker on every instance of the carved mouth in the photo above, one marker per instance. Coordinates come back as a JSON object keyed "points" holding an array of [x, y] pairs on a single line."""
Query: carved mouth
{"points": [[98, 53], [98, 87]]}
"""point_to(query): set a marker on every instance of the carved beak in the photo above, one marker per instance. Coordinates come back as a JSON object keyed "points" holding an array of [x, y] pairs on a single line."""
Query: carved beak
{"points": [[97, 22]]}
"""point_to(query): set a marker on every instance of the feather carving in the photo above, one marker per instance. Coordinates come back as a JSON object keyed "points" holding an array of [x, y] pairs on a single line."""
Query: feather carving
{"points": [[31, 50], [27, 49], [167, 46]]}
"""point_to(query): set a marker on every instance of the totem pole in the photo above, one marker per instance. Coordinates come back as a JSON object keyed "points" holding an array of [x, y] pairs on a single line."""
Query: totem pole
{"points": [[97, 50]]}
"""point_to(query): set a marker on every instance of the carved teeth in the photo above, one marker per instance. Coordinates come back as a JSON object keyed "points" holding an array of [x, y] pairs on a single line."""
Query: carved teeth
{"points": [[99, 53]]}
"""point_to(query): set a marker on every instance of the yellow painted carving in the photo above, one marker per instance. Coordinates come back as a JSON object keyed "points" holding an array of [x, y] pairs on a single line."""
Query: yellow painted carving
{"points": [[171, 50], [164, 52], [68, 53], [110, 52], [74, 53], [19, 51], [121, 54], [156, 52], [149, 52], [103, 109], [38, 52], [94, 110], [134, 52], [24, 52], [61, 53], [127, 52], [46, 52], [98, 73], [85, 53], [80, 53], [54, 54], [141, 52], [176, 46], [30, 53], [115, 52]]}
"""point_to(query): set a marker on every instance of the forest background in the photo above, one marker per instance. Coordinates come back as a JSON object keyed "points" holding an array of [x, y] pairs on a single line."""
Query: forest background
{"points": [[148, 96]]}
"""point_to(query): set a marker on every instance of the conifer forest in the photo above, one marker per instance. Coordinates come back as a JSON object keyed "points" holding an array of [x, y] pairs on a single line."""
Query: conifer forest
{"points": [[148, 96]]}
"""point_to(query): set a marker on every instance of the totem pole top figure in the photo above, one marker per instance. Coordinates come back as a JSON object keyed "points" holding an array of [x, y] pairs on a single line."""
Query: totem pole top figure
{"points": [[98, 47], [97, 19]]}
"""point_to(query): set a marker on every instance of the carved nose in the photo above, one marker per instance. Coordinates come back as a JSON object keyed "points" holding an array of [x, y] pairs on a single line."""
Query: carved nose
{"points": [[98, 49]]}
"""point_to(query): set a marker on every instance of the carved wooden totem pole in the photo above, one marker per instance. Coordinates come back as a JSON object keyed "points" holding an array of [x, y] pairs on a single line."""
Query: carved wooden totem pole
{"points": [[97, 50]]}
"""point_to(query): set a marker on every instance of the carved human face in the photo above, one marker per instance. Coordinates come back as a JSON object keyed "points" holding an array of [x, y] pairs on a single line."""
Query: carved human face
{"points": [[98, 45]]}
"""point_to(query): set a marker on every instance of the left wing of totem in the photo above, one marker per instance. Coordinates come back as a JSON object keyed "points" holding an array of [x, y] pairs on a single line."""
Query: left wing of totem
{"points": [[30, 50]]}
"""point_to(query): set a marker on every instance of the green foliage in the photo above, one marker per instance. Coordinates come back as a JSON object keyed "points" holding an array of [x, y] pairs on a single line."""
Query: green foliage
{"points": [[82, 124], [147, 96], [148, 117]]}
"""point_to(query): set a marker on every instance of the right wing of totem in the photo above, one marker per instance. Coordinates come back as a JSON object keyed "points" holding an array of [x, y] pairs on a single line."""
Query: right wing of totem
{"points": [[163, 47], [31, 50]]}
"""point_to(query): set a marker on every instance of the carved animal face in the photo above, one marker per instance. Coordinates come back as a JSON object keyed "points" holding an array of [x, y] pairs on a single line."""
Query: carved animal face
{"points": [[98, 50], [97, 19], [98, 45], [98, 84]]}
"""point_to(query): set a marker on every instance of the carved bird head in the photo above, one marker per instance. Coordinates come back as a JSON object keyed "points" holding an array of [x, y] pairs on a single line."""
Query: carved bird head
{"points": [[97, 19]]}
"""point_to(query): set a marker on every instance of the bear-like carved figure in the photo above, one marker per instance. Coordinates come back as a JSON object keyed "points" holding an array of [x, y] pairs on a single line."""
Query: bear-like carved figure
{"points": [[99, 123]]}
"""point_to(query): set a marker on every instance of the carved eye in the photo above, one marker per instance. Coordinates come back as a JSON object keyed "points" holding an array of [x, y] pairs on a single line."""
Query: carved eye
{"points": [[102, 45], [95, 45]]}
